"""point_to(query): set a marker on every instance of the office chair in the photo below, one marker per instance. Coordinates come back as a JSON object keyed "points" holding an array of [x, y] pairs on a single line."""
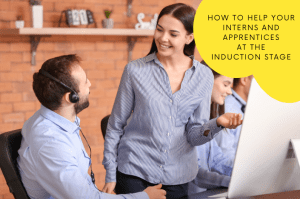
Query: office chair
{"points": [[104, 122], [9, 145]]}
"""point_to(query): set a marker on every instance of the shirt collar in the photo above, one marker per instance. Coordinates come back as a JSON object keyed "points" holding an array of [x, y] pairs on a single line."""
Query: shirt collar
{"points": [[60, 121], [153, 56], [150, 57], [238, 97]]}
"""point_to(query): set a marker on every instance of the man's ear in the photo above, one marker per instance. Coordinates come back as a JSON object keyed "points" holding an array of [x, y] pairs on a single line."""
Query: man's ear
{"points": [[244, 80], [190, 38], [66, 97]]}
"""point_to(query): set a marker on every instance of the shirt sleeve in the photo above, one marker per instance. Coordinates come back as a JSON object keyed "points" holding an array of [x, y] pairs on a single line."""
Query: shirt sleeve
{"points": [[122, 109], [209, 156], [218, 161], [199, 121], [210, 180], [59, 174], [226, 141]]}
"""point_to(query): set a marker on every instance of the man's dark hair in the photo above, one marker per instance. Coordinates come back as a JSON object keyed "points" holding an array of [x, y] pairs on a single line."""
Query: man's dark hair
{"points": [[236, 82], [49, 92]]}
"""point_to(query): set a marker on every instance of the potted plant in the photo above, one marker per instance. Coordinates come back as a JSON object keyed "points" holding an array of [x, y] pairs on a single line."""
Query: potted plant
{"points": [[108, 22]]}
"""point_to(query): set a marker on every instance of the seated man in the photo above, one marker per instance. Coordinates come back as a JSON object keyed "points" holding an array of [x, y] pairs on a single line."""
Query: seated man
{"points": [[216, 157], [52, 160]]}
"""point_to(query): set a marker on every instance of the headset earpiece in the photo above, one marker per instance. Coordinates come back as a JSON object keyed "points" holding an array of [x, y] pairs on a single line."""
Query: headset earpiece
{"points": [[73, 97]]}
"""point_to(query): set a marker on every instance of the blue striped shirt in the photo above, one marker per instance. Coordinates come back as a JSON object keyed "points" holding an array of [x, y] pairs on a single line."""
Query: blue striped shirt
{"points": [[53, 162], [157, 144]]}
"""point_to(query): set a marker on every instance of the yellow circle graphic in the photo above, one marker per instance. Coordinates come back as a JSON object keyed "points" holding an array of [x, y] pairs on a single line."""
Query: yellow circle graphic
{"points": [[260, 37]]}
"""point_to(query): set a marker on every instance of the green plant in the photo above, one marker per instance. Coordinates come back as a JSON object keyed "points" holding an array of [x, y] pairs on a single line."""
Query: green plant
{"points": [[107, 13], [35, 2]]}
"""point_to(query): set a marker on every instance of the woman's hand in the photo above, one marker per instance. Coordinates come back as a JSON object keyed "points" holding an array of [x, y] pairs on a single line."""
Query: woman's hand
{"points": [[230, 120], [109, 187]]}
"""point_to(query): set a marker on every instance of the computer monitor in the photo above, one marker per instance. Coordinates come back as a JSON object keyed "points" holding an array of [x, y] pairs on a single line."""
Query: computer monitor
{"points": [[265, 161]]}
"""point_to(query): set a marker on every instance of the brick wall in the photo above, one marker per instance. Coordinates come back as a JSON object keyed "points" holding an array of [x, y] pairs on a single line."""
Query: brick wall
{"points": [[104, 58]]}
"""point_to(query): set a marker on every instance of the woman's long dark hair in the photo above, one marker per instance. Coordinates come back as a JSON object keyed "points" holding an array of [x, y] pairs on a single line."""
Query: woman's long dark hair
{"points": [[185, 14], [215, 109]]}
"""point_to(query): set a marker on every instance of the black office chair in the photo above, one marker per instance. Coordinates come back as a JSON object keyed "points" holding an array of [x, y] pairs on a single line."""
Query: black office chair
{"points": [[104, 122], [9, 145]]}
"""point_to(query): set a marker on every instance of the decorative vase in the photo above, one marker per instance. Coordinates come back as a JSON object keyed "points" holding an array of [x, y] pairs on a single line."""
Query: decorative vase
{"points": [[108, 23], [37, 16]]}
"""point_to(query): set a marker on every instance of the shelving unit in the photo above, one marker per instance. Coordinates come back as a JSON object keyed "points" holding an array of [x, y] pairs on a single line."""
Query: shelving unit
{"points": [[36, 33], [76, 31]]}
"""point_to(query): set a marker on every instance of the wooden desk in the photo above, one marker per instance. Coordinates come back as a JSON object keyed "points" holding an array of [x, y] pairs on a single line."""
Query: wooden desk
{"points": [[222, 194]]}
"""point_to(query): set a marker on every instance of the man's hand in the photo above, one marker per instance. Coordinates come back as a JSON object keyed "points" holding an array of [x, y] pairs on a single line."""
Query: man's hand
{"points": [[109, 187], [156, 192], [230, 120]]}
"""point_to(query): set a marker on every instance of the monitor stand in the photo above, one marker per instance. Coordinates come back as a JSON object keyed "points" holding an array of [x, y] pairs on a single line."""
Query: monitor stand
{"points": [[296, 147]]}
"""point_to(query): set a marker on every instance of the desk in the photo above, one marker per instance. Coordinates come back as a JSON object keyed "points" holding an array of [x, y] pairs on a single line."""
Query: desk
{"points": [[222, 194]]}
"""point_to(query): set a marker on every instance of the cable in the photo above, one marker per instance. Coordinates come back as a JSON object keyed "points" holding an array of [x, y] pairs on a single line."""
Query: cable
{"points": [[92, 173]]}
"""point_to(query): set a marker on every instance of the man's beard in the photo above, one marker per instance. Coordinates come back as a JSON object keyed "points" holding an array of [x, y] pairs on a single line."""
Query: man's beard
{"points": [[80, 106]]}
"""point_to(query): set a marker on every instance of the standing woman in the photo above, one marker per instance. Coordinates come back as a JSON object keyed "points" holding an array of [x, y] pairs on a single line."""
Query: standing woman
{"points": [[168, 93]]}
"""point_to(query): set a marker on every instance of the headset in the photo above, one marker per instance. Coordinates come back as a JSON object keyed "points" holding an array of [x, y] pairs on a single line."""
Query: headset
{"points": [[74, 98]]}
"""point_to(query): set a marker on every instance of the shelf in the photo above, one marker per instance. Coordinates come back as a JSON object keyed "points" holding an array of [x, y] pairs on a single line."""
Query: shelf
{"points": [[76, 31], [36, 33]]}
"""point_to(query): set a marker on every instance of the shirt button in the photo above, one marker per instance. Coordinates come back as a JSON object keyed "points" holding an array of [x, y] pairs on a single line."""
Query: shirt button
{"points": [[171, 101], [170, 117], [165, 151], [168, 134], [160, 166]]}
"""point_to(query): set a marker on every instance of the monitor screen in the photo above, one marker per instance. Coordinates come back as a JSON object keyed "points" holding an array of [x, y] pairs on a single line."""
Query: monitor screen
{"points": [[265, 162]]}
